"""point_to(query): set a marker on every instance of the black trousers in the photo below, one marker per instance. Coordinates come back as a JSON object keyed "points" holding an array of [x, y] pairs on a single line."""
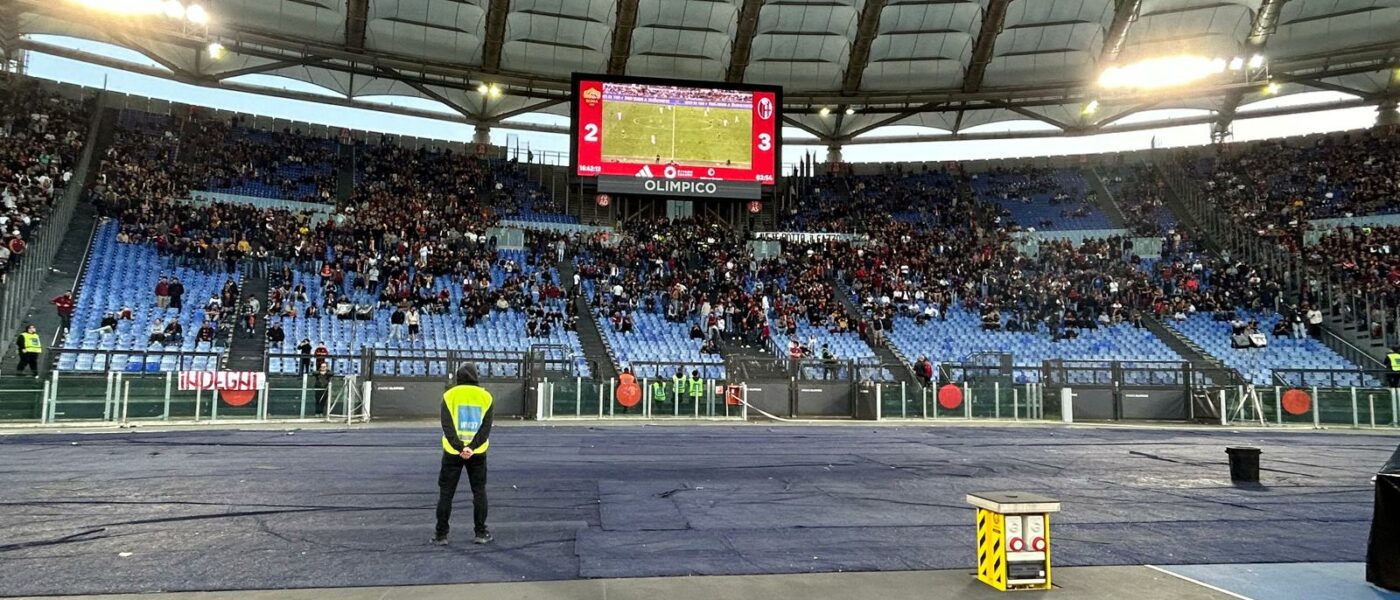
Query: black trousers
{"points": [[28, 359], [449, 477]]}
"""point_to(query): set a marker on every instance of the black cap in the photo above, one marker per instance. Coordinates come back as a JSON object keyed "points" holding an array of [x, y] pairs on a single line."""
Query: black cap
{"points": [[466, 374]]}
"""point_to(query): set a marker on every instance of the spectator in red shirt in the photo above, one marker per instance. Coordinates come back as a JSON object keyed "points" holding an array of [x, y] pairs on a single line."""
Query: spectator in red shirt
{"points": [[162, 293], [64, 304]]}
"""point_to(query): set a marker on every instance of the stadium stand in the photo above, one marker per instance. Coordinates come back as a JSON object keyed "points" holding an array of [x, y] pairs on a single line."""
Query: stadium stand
{"points": [[41, 137], [1141, 194], [230, 157], [118, 284], [1044, 199]]}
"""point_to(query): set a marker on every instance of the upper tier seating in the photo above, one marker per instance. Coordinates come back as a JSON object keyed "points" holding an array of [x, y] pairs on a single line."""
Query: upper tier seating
{"points": [[1044, 199]]}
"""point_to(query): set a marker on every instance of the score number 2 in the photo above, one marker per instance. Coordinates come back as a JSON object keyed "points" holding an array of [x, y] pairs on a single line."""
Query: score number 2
{"points": [[765, 142], [590, 132]]}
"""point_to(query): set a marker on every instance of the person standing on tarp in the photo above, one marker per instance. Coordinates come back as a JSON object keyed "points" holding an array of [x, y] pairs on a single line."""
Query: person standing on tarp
{"points": [[466, 430]]}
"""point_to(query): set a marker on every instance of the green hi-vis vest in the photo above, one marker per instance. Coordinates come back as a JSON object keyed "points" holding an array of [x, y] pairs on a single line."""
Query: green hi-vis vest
{"points": [[697, 387], [658, 391], [1394, 361], [31, 343], [678, 384], [468, 405]]}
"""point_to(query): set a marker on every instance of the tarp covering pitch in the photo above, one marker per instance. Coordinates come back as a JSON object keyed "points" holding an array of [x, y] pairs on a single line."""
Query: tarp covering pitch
{"points": [[1383, 551]]}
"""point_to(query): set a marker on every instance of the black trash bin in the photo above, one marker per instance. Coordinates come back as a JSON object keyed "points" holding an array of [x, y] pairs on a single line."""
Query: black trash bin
{"points": [[1244, 463]]}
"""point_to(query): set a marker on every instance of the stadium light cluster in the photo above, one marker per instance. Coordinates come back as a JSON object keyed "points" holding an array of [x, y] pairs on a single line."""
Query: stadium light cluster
{"points": [[490, 90], [170, 9], [1172, 71]]}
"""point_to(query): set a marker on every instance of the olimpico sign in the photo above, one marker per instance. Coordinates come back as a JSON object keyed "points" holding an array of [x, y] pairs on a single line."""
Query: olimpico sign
{"points": [[691, 188]]}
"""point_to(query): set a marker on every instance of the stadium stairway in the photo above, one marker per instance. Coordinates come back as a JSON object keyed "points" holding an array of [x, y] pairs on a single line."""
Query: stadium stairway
{"points": [[589, 337], [1190, 221], [246, 351], [345, 174], [753, 363], [68, 262], [884, 351], [1107, 203], [1188, 349]]}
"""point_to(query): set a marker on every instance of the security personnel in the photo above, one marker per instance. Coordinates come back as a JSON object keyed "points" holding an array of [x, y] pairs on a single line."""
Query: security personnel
{"points": [[466, 428], [658, 391], [29, 347], [678, 384], [1394, 359], [697, 387]]}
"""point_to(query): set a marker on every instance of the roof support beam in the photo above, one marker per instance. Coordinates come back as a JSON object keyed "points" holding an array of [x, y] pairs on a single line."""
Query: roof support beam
{"points": [[743, 40], [1106, 121], [356, 22], [429, 92], [1123, 16], [891, 119], [860, 50], [525, 110], [1265, 22], [1039, 117], [272, 66], [622, 36], [496, 14], [1323, 85], [130, 42], [992, 22], [823, 137]]}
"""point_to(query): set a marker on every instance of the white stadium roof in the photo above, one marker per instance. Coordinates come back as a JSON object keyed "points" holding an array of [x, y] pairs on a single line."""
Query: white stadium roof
{"points": [[944, 65]]}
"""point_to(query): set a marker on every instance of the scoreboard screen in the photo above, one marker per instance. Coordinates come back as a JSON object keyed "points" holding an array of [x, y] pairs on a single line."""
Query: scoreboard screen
{"points": [[656, 128]]}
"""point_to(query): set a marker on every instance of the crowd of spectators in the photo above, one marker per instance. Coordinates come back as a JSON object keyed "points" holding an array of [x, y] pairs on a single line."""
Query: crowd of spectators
{"points": [[228, 154], [1141, 194], [1270, 185], [41, 138]]}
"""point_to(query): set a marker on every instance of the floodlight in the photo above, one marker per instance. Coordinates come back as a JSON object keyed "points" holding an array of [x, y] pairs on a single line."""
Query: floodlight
{"points": [[1152, 73], [1256, 61], [850, 111], [174, 9], [216, 50], [195, 13], [1271, 89], [824, 111], [1092, 107], [1236, 63]]}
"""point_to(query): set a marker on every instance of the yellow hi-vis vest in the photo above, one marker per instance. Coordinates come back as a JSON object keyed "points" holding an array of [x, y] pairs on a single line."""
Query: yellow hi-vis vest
{"points": [[31, 343], [468, 405], [1394, 361], [697, 387], [658, 391]]}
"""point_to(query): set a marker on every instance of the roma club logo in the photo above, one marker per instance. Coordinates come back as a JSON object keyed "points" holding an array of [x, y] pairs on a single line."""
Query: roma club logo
{"points": [[591, 96], [765, 108]]}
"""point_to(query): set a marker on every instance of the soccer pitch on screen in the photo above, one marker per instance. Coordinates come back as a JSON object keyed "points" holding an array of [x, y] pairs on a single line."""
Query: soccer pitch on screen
{"points": [[640, 132]]}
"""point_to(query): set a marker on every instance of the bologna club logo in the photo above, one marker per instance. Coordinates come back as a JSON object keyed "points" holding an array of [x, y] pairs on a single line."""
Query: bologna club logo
{"points": [[591, 96], [765, 108]]}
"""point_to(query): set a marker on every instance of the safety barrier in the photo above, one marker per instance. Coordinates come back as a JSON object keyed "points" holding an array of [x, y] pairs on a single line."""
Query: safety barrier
{"points": [[583, 398], [966, 400], [120, 398], [1356, 407]]}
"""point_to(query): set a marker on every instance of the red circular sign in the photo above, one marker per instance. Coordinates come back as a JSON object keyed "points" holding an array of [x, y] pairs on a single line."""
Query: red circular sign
{"points": [[1296, 402], [950, 396], [237, 397], [604, 199], [755, 207]]}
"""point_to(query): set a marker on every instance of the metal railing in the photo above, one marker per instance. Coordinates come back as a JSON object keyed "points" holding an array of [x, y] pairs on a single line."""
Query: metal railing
{"points": [[659, 398], [966, 400]]}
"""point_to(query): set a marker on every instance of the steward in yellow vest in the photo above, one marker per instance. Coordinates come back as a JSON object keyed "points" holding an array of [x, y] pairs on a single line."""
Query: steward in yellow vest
{"points": [[466, 428], [30, 347], [1394, 360]]}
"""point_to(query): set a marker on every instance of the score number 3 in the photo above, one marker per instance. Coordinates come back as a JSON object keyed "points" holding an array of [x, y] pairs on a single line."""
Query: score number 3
{"points": [[765, 142]]}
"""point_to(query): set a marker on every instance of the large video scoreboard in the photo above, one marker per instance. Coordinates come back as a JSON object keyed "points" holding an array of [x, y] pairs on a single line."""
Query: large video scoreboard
{"points": [[678, 138]]}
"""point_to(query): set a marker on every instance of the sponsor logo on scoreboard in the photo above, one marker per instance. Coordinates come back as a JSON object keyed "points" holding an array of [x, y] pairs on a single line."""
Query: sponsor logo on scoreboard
{"points": [[592, 96]]}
